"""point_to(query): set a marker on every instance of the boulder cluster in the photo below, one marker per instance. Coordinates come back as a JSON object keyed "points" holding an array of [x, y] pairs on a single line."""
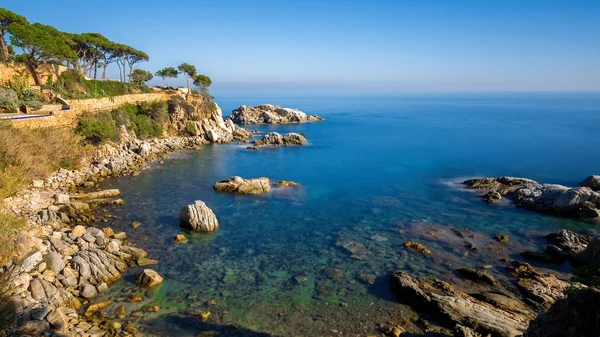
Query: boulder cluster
{"points": [[581, 202]]}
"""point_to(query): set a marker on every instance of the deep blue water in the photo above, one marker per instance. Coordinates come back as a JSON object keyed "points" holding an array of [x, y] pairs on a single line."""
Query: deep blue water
{"points": [[379, 171]]}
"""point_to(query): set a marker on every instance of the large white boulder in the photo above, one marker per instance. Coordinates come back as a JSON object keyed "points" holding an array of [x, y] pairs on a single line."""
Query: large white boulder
{"points": [[198, 217]]}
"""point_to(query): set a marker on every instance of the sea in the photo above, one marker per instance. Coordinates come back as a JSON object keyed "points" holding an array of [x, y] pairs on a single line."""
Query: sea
{"points": [[379, 171]]}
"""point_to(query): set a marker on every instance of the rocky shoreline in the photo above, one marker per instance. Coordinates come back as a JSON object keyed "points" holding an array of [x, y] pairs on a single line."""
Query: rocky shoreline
{"points": [[62, 261]]}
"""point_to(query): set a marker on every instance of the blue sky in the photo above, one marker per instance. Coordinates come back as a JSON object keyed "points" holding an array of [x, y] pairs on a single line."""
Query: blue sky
{"points": [[351, 46]]}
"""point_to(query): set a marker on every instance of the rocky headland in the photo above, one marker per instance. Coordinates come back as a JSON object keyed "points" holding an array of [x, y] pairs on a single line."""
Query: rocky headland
{"points": [[269, 114], [581, 202]]}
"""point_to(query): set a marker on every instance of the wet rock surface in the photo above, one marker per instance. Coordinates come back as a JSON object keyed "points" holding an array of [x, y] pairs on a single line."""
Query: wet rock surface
{"points": [[269, 114]]}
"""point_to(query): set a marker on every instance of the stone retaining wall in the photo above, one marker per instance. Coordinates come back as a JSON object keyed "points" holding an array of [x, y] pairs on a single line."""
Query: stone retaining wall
{"points": [[68, 118]]}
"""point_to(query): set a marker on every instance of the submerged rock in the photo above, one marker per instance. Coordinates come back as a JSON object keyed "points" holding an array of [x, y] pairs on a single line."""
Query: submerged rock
{"points": [[417, 246], [269, 114], [148, 278], [198, 217], [240, 185], [478, 276], [286, 183]]}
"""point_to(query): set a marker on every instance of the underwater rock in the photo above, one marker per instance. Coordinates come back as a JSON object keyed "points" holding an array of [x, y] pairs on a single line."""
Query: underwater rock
{"points": [[198, 217], [285, 183], [148, 278], [503, 238], [334, 272], [367, 278], [357, 250], [456, 307], [179, 238], [240, 185], [417, 246]]}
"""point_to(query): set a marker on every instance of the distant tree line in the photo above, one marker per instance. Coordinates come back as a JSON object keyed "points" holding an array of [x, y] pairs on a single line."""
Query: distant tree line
{"points": [[85, 52]]}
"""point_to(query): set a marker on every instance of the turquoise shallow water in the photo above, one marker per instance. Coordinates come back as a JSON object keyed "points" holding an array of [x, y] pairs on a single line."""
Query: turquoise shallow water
{"points": [[378, 172]]}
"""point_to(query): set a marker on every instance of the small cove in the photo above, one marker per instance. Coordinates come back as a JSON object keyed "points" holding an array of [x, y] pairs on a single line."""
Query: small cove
{"points": [[379, 171]]}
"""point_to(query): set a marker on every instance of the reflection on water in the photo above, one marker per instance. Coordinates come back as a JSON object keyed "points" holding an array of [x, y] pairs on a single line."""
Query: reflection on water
{"points": [[306, 261]]}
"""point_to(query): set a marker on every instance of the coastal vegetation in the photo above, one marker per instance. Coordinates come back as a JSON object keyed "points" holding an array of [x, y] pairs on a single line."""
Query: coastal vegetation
{"points": [[26, 155], [144, 119]]}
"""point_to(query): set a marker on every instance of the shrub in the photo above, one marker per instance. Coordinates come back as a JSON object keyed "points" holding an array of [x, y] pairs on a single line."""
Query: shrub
{"points": [[97, 128], [19, 85], [178, 102], [35, 105], [158, 111], [9, 101], [145, 127], [190, 129], [71, 83]]}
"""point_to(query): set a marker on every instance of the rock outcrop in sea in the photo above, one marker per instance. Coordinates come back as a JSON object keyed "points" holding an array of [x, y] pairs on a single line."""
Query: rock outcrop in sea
{"points": [[198, 217], [239, 185], [496, 310], [276, 139], [269, 114], [576, 202], [207, 124]]}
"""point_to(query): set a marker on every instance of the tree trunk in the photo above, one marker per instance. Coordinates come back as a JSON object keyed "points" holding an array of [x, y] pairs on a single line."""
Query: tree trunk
{"points": [[95, 70], [104, 71], [32, 65], [120, 72], [4, 47], [187, 81]]}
